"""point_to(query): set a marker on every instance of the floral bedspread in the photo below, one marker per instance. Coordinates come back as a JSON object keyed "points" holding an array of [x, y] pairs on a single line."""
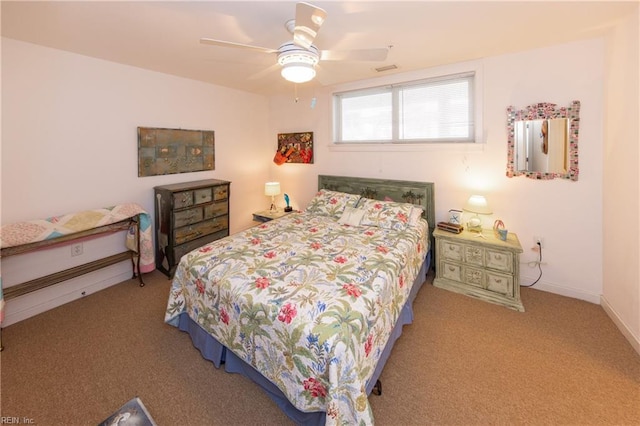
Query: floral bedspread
{"points": [[308, 302]]}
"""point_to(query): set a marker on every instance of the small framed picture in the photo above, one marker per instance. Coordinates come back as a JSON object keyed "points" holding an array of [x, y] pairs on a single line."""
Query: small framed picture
{"points": [[455, 216]]}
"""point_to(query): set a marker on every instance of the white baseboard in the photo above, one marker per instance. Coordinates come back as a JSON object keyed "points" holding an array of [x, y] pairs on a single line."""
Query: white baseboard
{"points": [[561, 290], [626, 332], [37, 302]]}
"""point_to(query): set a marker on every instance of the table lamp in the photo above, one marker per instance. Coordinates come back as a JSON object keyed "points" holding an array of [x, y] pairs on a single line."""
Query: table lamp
{"points": [[272, 189], [476, 204]]}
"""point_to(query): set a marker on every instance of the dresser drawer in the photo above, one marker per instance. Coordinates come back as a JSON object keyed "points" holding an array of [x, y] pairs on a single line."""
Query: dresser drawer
{"points": [[220, 193], [182, 199], [216, 209], [187, 217], [183, 249], [203, 195], [500, 260], [191, 232]]}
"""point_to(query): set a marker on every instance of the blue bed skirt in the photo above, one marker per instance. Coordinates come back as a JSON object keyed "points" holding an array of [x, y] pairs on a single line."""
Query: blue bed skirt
{"points": [[215, 352]]}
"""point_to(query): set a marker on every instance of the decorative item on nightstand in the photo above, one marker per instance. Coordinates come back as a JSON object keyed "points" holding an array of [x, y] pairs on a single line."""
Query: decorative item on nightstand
{"points": [[287, 209], [476, 204], [498, 229], [272, 189], [455, 217]]}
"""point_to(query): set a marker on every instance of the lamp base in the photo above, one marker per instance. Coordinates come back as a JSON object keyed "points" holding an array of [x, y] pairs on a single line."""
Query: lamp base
{"points": [[472, 228], [474, 224]]}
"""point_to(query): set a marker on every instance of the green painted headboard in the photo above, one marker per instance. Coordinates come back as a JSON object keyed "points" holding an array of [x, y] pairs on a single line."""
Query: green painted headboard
{"points": [[419, 193]]}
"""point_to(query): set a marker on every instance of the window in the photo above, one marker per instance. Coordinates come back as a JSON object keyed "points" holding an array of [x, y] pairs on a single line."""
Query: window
{"points": [[439, 109]]}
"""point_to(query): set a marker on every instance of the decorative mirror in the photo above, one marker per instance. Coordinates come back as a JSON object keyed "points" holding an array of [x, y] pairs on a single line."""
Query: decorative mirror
{"points": [[543, 141]]}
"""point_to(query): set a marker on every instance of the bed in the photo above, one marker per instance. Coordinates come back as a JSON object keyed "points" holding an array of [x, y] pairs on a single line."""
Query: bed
{"points": [[309, 305]]}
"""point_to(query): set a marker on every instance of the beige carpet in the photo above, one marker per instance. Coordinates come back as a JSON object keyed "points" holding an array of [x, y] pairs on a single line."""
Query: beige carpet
{"points": [[462, 362]]}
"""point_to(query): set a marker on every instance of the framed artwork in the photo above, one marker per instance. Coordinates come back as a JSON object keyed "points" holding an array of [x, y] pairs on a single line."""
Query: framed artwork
{"points": [[171, 151], [294, 148]]}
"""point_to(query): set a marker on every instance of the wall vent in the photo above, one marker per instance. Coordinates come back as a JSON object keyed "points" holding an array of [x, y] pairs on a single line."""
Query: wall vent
{"points": [[386, 68]]}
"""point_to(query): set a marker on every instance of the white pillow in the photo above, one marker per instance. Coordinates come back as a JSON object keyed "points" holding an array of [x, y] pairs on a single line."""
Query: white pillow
{"points": [[414, 217], [351, 216]]}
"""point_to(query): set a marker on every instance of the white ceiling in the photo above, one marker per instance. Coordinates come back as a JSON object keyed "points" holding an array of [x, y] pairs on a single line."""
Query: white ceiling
{"points": [[164, 36]]}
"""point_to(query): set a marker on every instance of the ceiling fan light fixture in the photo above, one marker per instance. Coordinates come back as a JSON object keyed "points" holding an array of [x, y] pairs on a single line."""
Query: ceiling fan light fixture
{"points": [[298, 72], [298, 65]]}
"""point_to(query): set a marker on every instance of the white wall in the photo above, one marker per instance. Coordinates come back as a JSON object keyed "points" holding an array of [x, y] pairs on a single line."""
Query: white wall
{"points": [[69, 143], [621, 290], [568, 215]]}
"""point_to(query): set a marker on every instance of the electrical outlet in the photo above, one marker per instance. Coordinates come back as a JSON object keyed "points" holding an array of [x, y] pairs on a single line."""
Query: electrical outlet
{"points": [[77, 249], [537, 240]]}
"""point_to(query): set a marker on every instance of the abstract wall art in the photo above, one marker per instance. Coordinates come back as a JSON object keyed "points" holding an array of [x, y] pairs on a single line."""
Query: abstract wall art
{"points": [[170, 151]]}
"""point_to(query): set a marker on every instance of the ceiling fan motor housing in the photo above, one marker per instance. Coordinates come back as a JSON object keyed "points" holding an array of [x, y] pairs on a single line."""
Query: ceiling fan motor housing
{"points": [[290, 52]]}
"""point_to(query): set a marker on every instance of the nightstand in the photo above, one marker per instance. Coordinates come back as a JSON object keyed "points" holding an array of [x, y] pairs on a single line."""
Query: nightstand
{"points": [[267, 215], [484, 267]]}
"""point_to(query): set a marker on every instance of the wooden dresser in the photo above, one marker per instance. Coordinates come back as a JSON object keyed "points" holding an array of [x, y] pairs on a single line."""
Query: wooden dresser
{"points": [[189, 215], [486, 268]]}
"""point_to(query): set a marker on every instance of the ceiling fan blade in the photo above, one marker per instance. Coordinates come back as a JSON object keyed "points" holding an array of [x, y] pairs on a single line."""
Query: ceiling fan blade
{"points": [[266, 71], [239, 45], [308, 20], [362, 55]]}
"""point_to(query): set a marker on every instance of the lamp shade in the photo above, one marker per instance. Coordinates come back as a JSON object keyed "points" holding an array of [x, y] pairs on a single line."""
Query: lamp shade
{"points": [[477, 204], [272, 188]]}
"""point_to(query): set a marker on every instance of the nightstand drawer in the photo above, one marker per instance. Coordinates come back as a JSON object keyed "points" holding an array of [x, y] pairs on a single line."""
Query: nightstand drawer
{"points": [[501, 260], [474, 255], [449, 250], [451, 271], [474, 276], [499, 283]]}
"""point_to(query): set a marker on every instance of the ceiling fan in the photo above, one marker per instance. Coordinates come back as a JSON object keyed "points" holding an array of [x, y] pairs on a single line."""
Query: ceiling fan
{"points": [[300, 56]]}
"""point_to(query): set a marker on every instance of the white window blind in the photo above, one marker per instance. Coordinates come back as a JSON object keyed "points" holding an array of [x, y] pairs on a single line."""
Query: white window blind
{"points": [[431, 110]]}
